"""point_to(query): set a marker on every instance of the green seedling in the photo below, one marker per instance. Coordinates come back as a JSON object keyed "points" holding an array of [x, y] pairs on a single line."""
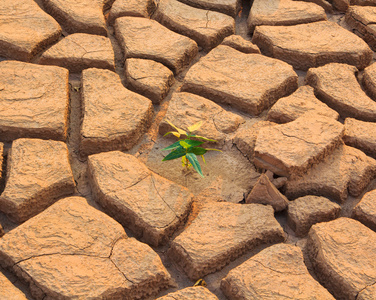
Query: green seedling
{"points": [[188, 148]]}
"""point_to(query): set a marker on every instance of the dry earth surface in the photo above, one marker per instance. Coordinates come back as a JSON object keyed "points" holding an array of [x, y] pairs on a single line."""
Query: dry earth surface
{"points": [[88, 210]]}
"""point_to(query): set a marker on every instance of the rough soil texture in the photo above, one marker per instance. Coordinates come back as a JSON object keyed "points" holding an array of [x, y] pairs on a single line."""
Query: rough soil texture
{"points": [[311, 45], [80, 51], [163, 45], [34, 101], [240, 44], [314, 135], [149, 78], [205, 27], [264, 192], [365, 210], [84, 16], [219, 76], [38, 173], [131, 8], [361, 135], [152, 206], [286, 89], [346, 171], [342, 256], [337, 86], [303, 100], [231, 229], [114, 118], [72, 250], [277, 272], [190, 293], [283, 12], [306, 211], [362, 19], [25, 29]]}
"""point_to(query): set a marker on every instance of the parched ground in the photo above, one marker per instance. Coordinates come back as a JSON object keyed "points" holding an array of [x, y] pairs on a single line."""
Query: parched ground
{"points": [[286, 210]]}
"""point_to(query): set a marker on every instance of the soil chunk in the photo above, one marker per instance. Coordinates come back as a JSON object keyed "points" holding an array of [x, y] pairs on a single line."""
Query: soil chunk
{"points": [[39, 172], [225, 75], [314, 44], [81, 51]]}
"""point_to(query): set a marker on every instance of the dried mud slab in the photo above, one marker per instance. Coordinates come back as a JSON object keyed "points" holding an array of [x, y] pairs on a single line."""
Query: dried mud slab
{"points": [[239, 43], [365, 210], [277, 272], [337, 86], [190, 293], [226, 75], [363, 19], [33, 101], [306, 211], [264, 192], [283, 12], [9, 291], [325, 4], [293, 148], [85, 16], [80, 51], [303, 100], [229, 231], [38, 173], [74, 251], [229, 7], [342, 253], [369, 80], [25, 29], [145, 38], [346, 171], [150, 205], [131, 8], [246, 136], [205, 27], [114, 118], [186, 109], [314, 44], [361, 135], [148, 78]]}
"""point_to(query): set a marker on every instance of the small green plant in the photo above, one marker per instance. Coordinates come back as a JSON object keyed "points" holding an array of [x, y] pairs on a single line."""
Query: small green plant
{"points": [[188, 148]]}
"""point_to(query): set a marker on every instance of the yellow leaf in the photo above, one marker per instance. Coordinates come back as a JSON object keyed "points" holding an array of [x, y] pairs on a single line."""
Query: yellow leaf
{"points": [[194, 127]]}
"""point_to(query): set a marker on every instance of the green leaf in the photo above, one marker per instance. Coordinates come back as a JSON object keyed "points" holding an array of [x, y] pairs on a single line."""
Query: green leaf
{"points": [[197, 150], [184, 144], [194, 162], [173, 146], [181, 131], [193, 143], [194, 127], [203, 138], [179, 152]]}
